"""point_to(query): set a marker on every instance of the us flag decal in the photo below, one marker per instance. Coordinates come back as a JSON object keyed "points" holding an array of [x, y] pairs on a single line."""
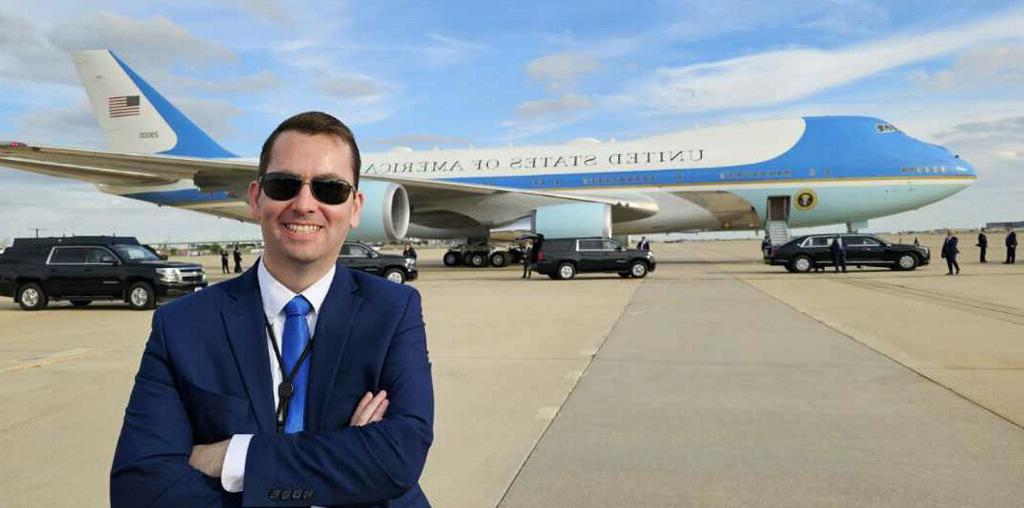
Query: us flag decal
{"points": [[125, 105]]}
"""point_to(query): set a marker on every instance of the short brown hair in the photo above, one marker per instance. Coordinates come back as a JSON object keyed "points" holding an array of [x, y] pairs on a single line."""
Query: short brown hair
{"points": [[313, 122]]}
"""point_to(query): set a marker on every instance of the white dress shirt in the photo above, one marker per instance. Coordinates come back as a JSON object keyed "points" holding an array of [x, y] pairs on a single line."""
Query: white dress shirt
{"points": [[275, 297]]}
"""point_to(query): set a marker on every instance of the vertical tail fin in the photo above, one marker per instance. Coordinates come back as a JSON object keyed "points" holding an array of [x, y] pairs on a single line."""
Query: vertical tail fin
{"points": [[134, 116]]}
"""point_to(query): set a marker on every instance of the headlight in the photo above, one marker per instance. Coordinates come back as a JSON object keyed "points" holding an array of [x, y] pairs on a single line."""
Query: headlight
{"points": [[410, 262], [169, 274]]}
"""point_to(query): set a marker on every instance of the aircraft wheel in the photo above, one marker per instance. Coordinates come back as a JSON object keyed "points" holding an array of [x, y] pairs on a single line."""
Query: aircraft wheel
{"points": [[450, 259], [499, 259]]}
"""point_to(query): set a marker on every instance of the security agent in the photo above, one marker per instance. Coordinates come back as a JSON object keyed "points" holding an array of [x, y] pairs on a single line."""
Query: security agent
{"points": [[838, 250], [1011, 247], [949, 252], [982, 244], [298, 383]]}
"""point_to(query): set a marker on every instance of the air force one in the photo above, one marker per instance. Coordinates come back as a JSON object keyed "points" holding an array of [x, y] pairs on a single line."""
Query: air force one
{"points": [[777, 174]]}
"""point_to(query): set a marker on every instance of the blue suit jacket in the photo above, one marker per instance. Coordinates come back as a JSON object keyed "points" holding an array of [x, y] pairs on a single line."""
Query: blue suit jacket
{"points": [[205, 376]]}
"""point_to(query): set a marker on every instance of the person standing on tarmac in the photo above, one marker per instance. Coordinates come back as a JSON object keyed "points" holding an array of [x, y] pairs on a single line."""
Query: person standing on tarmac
{"points": [[838, 249], [238, 259], [1011, 247], [224, 261], [409, 251], [982, 244], [949, 252], [527, 263]]}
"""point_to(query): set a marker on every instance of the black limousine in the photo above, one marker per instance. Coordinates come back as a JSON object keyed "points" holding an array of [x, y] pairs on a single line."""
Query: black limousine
{"points": [[805, 253]]}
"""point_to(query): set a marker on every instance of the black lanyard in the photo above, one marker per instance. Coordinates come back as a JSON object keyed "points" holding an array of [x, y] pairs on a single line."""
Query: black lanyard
{"points": [[286, 389]]}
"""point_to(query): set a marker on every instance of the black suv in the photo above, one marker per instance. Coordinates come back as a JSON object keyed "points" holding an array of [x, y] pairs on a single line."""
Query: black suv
{"points": [[563, 258], [360, 256], [81, 269], [805, 253]]}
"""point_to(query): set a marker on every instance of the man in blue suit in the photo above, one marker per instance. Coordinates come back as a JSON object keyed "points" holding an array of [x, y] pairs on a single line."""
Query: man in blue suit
{"points": [[298, 383]]}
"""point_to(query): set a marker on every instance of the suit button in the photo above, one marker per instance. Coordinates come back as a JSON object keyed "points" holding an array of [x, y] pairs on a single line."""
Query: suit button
{"points": [[274, 494], [297, 494], [307, 494], [286, 495]]}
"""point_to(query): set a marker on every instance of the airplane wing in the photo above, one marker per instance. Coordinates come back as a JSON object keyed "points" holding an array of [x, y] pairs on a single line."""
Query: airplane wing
{"points": [[436, 202]]}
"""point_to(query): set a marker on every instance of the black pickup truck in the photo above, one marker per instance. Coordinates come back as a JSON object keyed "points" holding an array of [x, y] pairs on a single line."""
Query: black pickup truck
{"points": [[360, 256], [81, 269]]}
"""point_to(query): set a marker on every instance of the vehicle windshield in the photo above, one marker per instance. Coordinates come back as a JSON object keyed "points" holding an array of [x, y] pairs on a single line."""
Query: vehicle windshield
{"points": [[135, 253]]}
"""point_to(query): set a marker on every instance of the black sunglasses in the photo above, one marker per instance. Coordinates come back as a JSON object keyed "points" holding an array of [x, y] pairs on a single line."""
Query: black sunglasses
{"points": [[285, 186]]}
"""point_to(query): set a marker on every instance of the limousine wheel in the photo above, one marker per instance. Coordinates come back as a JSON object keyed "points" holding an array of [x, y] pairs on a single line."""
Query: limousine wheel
{"points": [[32, 297], [141, 296], [638, 270], [566, 271], [395, 275], [907, 262], [802, 264]]}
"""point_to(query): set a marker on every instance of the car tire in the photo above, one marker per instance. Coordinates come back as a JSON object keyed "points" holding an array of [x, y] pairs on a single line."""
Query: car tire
{"points": [[80, 303], [396, 275], [32, 297], [477, 260], [141, 296], [638, 270], [499, 259], [450, 259], [566, 271], [907, 262], [802, 264]]}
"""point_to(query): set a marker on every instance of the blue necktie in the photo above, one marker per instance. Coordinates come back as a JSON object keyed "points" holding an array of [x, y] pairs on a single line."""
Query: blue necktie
{"points": [[296, 335]]}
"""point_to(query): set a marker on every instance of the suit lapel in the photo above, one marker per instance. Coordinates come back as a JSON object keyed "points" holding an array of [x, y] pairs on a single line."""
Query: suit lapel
{"points": [[247, 334], [333, 327]]}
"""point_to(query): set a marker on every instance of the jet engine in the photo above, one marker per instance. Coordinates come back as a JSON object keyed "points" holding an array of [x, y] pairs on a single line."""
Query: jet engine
{"points": [[385, 215], [574, 220]]}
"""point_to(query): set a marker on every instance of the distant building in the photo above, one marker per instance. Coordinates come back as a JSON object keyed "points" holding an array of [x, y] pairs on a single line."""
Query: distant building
{"points": [[1004, 225]]}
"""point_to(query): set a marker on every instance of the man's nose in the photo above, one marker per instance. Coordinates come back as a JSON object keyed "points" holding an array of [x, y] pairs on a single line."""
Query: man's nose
{"points": [[304, 201]]}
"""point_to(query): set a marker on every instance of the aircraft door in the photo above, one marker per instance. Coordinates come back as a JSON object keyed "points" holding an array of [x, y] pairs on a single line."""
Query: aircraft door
{"points": [[778, 208]]}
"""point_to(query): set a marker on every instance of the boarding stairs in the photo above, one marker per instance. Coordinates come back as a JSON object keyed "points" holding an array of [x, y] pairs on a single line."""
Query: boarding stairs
{"points": [[777, 231]]}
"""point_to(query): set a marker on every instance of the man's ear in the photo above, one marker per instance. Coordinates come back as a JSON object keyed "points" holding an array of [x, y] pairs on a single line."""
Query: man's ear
{"points": [[254, 195], [357, 207]]}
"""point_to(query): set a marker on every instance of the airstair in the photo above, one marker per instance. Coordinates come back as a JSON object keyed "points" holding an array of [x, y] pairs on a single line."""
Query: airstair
{"points": [[776, 224]]}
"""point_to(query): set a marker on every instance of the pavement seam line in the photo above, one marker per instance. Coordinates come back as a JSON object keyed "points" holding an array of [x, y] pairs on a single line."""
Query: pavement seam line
{"points": [[883, 354], [569, 395]]}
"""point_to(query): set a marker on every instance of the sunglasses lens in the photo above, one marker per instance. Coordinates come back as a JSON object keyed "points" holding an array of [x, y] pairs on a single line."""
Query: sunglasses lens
{"points": [[281, 187], [331, 192]]}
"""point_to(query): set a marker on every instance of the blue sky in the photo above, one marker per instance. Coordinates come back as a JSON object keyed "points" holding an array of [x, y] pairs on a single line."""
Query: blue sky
{"points": [[454, 74]]}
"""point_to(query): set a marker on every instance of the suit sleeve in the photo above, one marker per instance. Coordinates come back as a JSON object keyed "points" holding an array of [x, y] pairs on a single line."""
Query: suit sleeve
{"points": [[372, 463], [151, 461]]}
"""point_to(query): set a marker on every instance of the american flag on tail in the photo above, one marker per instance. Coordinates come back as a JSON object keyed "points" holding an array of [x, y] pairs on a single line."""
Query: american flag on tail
{"points": [[125, 105]]}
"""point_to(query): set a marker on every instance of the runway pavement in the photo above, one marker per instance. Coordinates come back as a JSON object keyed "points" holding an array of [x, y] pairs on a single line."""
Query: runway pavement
{"points": [[717, 381]]}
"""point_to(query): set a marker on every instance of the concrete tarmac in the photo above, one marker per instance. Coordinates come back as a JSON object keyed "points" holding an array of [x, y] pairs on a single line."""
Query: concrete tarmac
{"points": [[717, 381]]}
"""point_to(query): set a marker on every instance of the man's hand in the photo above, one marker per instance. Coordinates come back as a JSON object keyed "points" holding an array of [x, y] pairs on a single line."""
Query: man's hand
{"points": [[209, 458], [370, 409]]}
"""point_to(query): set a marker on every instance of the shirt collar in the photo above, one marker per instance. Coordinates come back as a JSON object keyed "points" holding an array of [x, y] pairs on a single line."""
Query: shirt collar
{"points": [[276, 295]]}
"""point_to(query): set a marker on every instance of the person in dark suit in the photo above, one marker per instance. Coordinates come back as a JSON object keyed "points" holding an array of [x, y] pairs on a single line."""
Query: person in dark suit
{"points": [[950, 251], [982, 244], [237, 254], [527, 260], [838, 250], [410, 251], [297, 383], [224, 261], [1011, 247]]}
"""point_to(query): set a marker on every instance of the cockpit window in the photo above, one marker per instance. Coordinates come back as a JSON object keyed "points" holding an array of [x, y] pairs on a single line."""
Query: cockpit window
{"points": [[885, 128]]}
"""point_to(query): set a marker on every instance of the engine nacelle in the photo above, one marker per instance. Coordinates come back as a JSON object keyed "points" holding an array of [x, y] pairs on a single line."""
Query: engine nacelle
{"points": [[574, 220], [385, 216]]}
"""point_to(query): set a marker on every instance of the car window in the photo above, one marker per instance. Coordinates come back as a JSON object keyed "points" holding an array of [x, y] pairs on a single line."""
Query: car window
{"points": [[820, 241], [100, 256], [861, 241], [611, 245], [68, 255], [591, 245], [136, 253], [353, 251]]}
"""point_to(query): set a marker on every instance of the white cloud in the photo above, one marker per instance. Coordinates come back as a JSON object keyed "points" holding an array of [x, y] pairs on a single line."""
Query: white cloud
{"points": [[977, 68], [72, 125], [562, 70], [353, 87], [781, 76], [158, 42], [569, 103], [216, 117]]}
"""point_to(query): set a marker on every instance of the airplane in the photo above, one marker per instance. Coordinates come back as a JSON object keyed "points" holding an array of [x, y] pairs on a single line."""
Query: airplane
{"points": [[772, 175]]}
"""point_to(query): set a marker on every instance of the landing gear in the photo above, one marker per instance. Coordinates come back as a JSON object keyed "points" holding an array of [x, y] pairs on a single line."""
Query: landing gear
{"points": [[481, 255]]}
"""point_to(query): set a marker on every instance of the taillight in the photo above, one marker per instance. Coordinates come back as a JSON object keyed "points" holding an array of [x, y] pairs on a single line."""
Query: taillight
{"points": [[540, 255]]}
